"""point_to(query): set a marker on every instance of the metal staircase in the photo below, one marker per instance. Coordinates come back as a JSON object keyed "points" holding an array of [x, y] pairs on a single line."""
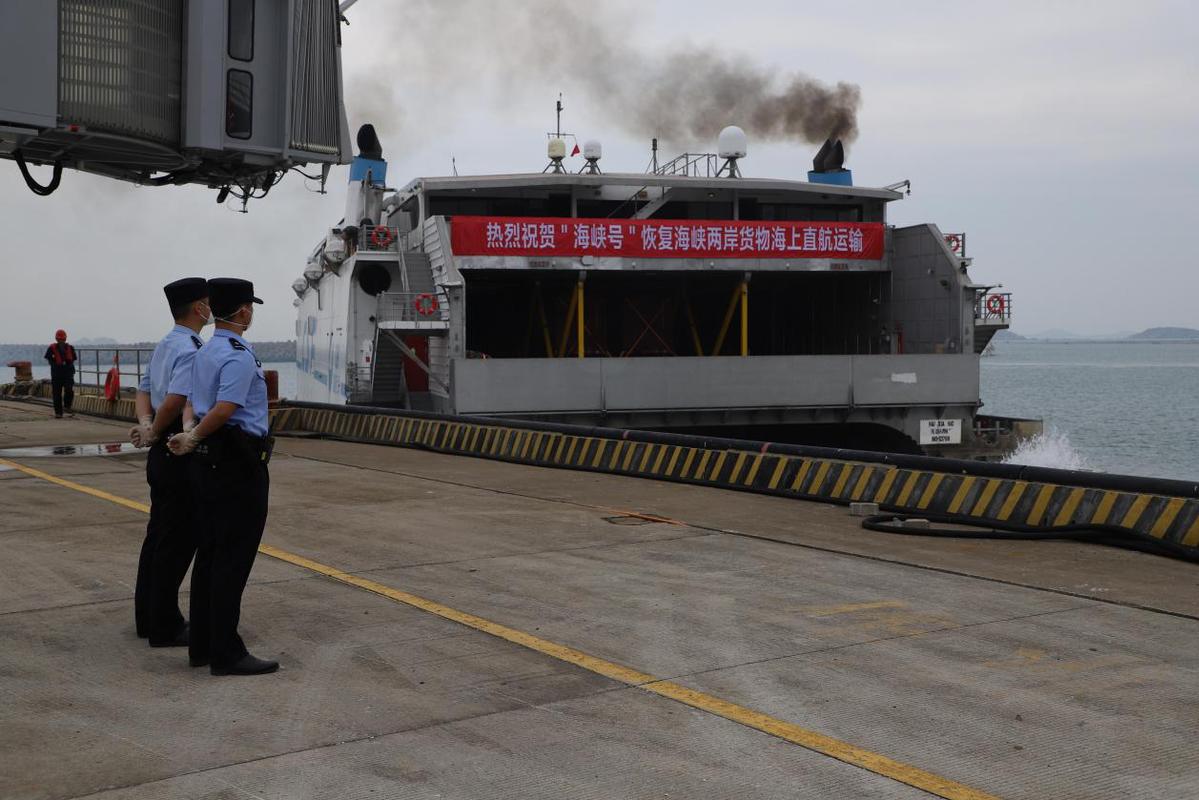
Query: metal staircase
{"points": [[420, 306]]}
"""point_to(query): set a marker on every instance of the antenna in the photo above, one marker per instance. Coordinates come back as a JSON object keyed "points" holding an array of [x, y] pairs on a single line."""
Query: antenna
{"points": [[558, 122], [557, 141]]}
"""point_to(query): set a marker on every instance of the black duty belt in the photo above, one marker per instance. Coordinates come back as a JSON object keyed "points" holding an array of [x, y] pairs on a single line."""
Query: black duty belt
{"points": [[233, 443]]}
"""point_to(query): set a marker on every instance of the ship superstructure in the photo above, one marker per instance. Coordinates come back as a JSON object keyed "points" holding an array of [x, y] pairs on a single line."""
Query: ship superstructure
{"points": [[689, 297]]}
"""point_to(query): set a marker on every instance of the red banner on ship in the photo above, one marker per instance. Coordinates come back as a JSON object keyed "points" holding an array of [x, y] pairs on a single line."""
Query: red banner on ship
{"points": [[651, 238]]}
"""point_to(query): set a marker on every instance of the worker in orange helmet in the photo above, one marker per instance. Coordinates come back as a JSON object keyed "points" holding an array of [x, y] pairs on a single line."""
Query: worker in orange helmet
{"points": [[62, 373]]}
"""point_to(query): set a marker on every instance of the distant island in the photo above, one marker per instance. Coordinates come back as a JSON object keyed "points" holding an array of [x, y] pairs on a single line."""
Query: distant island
{"points": [[1174, 334], [1165, 334], [266, 351]]}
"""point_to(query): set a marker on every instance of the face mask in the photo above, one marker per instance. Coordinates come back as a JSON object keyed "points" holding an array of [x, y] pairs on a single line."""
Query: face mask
{"points": [[245, 326], [208, 318]]}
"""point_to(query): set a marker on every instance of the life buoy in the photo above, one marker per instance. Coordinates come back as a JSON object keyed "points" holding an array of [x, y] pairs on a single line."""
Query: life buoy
{"points": [[381, 236], [995, 305], [112, 384], [955, 242], [426, 304]]}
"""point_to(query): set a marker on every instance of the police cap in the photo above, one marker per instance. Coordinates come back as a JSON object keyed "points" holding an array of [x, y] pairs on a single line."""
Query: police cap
{"points": [[225, 295], [185, 290]]}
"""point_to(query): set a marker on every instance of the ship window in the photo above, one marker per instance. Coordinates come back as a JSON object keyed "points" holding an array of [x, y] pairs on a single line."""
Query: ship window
{"points": [[239, 104], [241, 29]]}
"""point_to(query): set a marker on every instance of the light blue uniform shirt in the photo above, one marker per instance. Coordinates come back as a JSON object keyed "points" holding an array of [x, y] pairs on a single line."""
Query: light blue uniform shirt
{"points": [[170, 370], [225, 370]]}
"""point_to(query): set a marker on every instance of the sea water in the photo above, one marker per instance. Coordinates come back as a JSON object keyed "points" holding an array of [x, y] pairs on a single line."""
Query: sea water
{"points": [[1127, 407], [1130, 407]]}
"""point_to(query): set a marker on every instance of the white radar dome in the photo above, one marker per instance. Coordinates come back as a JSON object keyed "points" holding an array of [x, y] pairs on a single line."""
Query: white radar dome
{"points": [[593, 150], [557, 148], [732, 143]]}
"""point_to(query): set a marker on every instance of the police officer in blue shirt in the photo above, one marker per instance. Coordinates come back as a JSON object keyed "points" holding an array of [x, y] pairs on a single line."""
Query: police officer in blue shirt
{"points": [[170, 535], [229, 473]]}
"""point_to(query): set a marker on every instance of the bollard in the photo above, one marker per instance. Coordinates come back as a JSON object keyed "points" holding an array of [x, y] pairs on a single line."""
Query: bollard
{"points": [[272, 386], [24, 370]]}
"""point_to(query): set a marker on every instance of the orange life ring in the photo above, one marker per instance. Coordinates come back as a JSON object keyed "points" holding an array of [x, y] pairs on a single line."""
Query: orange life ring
{"points": [[112, 384], [426, 304], [954, 241], [995, 304], [381, 236]]}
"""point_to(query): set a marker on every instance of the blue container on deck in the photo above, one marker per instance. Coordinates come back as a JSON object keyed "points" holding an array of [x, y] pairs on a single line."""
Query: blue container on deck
{"points": [[842, 177]]}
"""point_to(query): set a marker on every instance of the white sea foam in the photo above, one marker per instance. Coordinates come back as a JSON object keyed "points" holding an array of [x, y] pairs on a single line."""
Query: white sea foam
{"points": [[1049, 449]]}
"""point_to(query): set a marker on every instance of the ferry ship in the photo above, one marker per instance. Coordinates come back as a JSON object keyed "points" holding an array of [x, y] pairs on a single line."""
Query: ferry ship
{"points": [[690, 297]]}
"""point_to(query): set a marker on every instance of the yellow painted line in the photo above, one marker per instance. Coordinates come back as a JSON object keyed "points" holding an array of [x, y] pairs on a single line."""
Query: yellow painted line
{"points": [[1166, 518], [1135, 510], [985, 498], [959, 496], [1040, 504], [852, 608], [799, 476], [657, 468], [628, 457], [930, 490], [1013, 497], [616, 454], [860, 486], [778, 472], [570, 451], [787, 731], [79, 487], [529, 438], [818, 478], [474, 437], [687, 462], [674, 458], [908, 486], [1069, 507], [599, 452], [884, 488], [842, 479], [737, 465], [720, 459], [1192, 535], [700, 468], [753, 470], [649, 451]]}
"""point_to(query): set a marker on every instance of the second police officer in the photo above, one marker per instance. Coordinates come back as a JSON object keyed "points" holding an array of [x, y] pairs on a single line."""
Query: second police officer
{"points": [[232, 448], [170, 535]]}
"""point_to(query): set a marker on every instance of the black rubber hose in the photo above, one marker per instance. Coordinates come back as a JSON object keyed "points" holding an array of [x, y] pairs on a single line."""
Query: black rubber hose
{"points": [[1097, 534], [34, 186]]}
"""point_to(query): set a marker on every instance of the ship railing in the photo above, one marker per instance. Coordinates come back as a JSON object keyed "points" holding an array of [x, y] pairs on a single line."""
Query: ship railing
{"points": [[94, 363], [695, 165], [378, 239], [413, 310], [993, 308]]}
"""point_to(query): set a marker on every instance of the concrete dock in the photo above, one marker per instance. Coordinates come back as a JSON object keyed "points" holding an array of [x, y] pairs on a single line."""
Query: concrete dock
{"points": [[451, 627]]}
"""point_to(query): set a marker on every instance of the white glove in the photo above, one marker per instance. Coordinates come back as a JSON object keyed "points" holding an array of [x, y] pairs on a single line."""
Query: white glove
{"points": [[142, 434], [188, 424], [183, 443]]}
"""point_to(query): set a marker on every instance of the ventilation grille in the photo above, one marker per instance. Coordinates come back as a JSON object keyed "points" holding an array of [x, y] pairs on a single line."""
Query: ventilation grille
{"points": [[120, 67], [315, 88]]}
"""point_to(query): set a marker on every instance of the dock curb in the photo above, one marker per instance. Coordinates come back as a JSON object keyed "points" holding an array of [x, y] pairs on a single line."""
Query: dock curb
{"points": [[1167, 511]]}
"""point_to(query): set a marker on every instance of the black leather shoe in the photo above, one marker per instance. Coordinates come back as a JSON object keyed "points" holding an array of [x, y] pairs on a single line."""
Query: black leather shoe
{"points": [[178, 640], [198, 662], [246, 665]]}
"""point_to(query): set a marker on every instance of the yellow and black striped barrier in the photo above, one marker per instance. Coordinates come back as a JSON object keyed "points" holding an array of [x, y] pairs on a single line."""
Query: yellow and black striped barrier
{"points": [[918, 491], [85, 402]]}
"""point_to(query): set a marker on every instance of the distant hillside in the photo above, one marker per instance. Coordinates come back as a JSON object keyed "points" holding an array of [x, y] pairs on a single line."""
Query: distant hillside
{"points": [[1009, 336], [1167, 333], [266, 351]]}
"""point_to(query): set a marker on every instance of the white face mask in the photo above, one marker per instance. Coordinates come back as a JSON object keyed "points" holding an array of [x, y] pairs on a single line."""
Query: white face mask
{"points": [[208, 318], [245, 326]]}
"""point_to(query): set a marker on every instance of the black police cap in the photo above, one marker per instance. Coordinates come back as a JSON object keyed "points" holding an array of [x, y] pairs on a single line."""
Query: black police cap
{"points": [[185, 290], [226, 294]]}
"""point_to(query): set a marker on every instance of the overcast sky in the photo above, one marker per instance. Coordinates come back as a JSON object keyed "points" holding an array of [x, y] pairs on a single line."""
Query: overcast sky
{"points": [[1062, 138]]}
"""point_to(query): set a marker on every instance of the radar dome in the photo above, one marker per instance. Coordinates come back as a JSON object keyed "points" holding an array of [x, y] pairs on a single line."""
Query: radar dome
{"points": [[593, 150], [557, 148], [732, 143]]}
